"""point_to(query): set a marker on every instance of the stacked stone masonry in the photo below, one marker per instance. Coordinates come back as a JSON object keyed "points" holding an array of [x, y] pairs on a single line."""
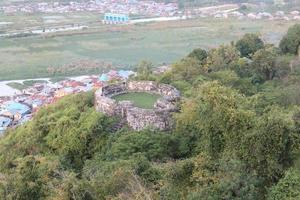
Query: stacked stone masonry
{"points": [[160, 117]]}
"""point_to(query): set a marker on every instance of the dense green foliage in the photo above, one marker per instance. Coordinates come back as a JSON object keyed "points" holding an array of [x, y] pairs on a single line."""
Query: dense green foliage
{"points": [[199, 54], [236, 137], [249, 44], [288, 187], [291, 41]]}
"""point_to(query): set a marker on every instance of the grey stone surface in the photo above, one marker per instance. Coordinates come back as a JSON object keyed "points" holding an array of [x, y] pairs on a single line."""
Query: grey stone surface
{"points": [[160, 117]]}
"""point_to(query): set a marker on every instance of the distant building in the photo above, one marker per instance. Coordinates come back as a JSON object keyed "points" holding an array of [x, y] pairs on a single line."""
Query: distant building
{"points": [[111, 18], [64, 92], [104, 78], [15, 110], [295, 12]]}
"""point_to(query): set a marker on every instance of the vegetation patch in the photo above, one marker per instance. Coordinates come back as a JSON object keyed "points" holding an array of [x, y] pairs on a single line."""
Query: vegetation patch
{"points": [[139, 99], [29, 83], [25, 84], [15, 85], [57, 79]]}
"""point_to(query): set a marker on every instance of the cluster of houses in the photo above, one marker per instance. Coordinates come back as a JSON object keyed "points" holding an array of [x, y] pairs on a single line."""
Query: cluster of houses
{"points": [[146, 8], [278, 15], [134, 7], [17, 109]]}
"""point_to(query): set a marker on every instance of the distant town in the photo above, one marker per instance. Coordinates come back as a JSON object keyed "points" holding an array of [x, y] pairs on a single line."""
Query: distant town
{"points": [[20, 108], [133, 7], [146, 9]]}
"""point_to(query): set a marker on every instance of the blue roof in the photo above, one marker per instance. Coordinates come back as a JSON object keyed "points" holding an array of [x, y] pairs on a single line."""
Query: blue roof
{"points": [[103, 77], [15, 107], [114, 16]]}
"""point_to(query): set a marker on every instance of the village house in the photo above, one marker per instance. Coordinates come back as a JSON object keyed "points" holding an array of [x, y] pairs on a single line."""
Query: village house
{"points": [[63, 92], [295, 12], [116, 75], [104, 78], [15, 110], [148, 8]]}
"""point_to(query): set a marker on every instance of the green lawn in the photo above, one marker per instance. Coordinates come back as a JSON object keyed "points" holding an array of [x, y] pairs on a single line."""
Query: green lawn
{"points": [[139, 99]]}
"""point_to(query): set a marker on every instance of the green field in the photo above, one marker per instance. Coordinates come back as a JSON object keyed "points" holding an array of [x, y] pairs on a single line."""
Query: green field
{"points": [[139, 99], [25, 84], [122, 46]]}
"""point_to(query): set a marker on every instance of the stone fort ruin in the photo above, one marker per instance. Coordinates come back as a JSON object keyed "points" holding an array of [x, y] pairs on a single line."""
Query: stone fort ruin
{"points": [[160, 117]]}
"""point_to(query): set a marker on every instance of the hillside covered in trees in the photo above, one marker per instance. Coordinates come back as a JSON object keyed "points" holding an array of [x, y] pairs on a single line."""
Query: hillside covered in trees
{"points": [[236, 137]]}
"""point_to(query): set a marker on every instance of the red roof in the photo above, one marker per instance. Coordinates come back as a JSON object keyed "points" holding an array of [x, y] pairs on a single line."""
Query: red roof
{"points": [[112, 73]]}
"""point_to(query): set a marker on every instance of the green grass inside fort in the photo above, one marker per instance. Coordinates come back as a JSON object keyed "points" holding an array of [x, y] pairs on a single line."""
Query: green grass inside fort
{"points": [[123, 46], [139, 99]]}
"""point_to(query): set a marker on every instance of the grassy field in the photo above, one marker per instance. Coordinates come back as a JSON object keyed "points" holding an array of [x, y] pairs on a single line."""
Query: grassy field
{"points": [[123, 46], [25, 84], [18, 86], [139, 99]]}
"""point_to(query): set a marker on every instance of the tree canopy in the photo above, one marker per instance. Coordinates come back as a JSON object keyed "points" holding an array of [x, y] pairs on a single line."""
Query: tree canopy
{"points": [[249, 44], [291, 41]]}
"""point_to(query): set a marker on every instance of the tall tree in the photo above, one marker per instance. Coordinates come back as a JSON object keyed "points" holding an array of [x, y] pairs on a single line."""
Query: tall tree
{"points": [[269, 148], [222, 57], [186, 69], [144, 70], [199, 54], [264, 63], [249, 44], [291, 41]]}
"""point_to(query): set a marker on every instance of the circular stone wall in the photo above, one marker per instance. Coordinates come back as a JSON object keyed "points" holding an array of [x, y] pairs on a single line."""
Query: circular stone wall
{"points": [[160, 117]]}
